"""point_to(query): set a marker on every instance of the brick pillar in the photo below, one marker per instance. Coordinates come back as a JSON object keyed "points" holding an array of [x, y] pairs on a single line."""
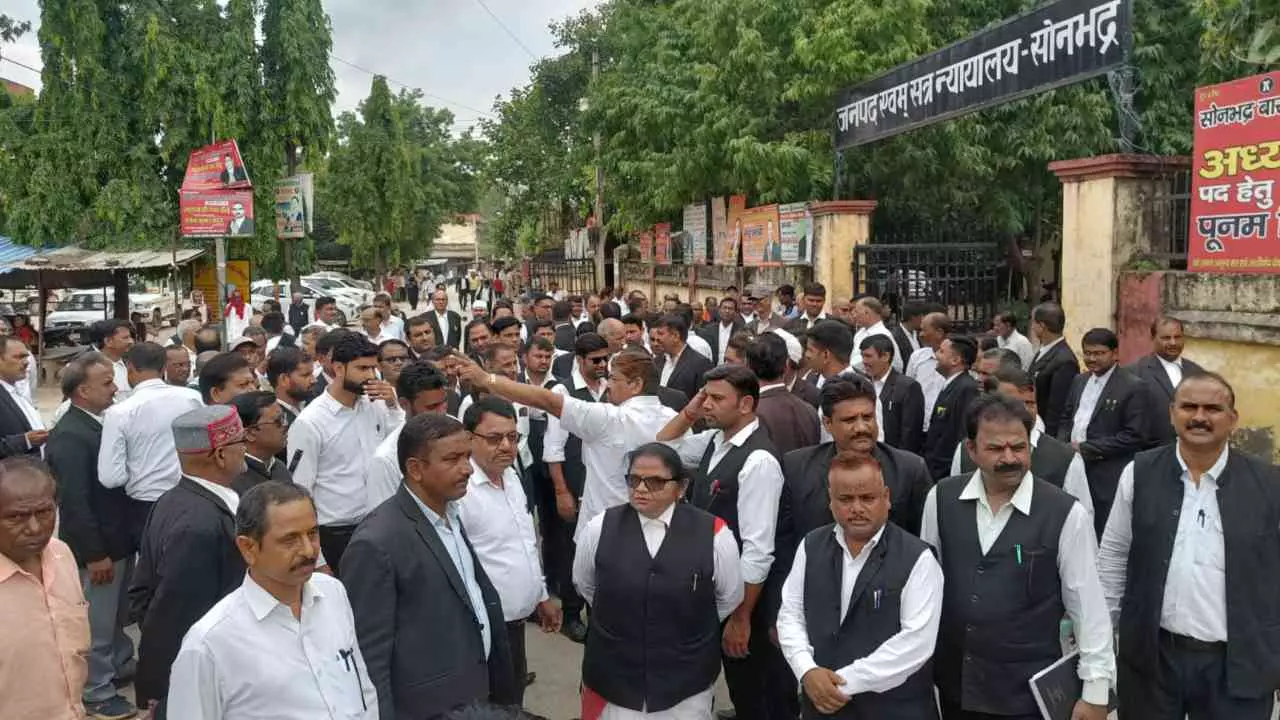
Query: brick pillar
{"points": [[839, 227]]}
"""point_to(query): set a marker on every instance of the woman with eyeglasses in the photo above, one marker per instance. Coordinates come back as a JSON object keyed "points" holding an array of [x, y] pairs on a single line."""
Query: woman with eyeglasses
{"points": [[660, 576]]}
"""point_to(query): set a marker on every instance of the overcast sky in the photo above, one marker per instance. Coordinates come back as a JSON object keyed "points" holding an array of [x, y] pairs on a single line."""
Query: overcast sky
{"points": [[452, 49]]}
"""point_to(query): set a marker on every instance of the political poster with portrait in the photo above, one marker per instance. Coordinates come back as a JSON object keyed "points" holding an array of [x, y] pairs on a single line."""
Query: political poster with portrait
{"points": [[695, 233], [720, 242], [216, 167], [761, 245], [220, 213], [1236, 163], [795, 228], [662, 243], [646, 246], [294, 196]]}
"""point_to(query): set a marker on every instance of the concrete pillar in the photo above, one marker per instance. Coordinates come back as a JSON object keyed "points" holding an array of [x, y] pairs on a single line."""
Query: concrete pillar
{"points": [[839, 227], [1105, 225]]}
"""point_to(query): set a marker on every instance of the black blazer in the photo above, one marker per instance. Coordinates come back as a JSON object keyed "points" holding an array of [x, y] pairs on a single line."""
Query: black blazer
{"points": [[687, 374], [256, 473], [562, 368], [455, 327], [946, 425], [902, 339], [902, 409], [808, 392], [672, 398], [804, 506], [1053, 374], [94, 519], [417, 631], [711, 333], [1160, 431], [565, 336], [187, 563], [13, 428], [1117, 431]]}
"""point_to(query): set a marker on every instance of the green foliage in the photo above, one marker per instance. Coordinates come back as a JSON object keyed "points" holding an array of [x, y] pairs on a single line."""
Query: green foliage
{"points": [[11, 29]]}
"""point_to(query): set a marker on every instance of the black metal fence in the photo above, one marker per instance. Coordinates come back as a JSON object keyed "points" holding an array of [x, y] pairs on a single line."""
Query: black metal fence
{"points": [[573, 276], [965, 277], [1166, 214]]}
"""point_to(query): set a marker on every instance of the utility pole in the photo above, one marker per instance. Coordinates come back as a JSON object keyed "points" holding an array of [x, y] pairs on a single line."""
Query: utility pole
{"points": [[286, 245], [599, 211]]}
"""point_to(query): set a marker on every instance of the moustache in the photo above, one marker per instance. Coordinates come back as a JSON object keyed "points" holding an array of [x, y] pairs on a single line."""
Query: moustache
{"points": [[1013, 467], [308, 563], [1199, 425]]}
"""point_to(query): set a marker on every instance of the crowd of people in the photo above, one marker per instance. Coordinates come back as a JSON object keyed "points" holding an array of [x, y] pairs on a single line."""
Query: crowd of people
{"points": [[840, 507]]}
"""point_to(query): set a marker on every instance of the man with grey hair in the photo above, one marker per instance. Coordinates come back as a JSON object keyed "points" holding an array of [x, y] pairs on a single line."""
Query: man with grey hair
{"points": [[188, 560], [185, 335], [94, 525]]}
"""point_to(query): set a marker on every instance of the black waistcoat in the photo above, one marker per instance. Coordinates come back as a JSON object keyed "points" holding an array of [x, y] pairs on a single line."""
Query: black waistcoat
{"points": [[716, 490], [1249, 503], [538, 425], [1001, 618], [655, 632], [575, 473], [1050, 460], [874, 616]]}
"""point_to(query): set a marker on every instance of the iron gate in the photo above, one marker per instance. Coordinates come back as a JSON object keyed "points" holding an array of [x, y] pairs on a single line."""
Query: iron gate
{"points": [[964, 277]]}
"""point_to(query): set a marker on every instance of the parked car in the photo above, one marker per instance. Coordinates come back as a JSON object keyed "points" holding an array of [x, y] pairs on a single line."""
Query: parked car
{"points": [[345, 278], [261, 291], [77, 309], [336, 287]]}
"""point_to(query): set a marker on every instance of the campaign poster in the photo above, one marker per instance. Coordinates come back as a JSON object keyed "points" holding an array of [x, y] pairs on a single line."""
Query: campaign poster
{"points": [[216, 167], [1235, 165], [204, 277], [662, 243], [720, 230], [761, 243], [293, 209], [795, 229], [646, 246], [695, 233], [223, 213]]}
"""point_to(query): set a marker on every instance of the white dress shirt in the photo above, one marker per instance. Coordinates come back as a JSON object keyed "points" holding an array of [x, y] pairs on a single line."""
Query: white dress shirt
{"points": [[725, 576], [1082, 593], [337, 443], [669, 367], [698, 345], [609, 433], [1195, 588], [450, 531], [1089, 398], [393, 328], [315, 668], [555, 437], [897, 658], [923, 368], [866, 332], [810, 322], [383, 478], [120, 373], [137, 451], [1018, 343], [1047, 347], [1075, 484], [442, 319], [723, 333], [1172, 369], [759, 487], [28, 410], [498, 522]]}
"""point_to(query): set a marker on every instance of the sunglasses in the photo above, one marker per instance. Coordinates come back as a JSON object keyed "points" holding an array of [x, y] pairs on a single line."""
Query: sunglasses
{"points": [[496, 439], [652, 483], [598, 360]]}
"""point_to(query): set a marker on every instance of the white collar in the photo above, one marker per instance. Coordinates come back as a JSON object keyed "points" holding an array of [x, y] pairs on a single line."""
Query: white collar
{"points": [[770, 386], [480, 477], [579, 381], [261, 602], [1214, 472], [844, 542], [1021, 500], [740, 437], [1104, 377], [268, 463], [1046, 348], [229, 497], [97, 418], [664, 519], [1175, 363], [877, 328]]}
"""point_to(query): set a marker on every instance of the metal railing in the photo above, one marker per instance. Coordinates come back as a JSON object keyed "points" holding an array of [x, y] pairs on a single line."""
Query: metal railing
{"points": [[963, 277], [1166, 217]]}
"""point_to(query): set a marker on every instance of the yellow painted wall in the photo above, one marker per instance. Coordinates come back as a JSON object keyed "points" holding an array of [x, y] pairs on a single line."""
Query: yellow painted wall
{"points": [[1088, 273], [1254, 372]]}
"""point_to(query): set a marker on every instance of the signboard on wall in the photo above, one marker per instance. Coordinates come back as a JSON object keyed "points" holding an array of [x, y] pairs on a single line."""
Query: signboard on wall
{"points": [[204, 277], [662, 243], [214, 214], [795, 228], [761, 246], [695, 229], [1235, 226], [1051, 45]]}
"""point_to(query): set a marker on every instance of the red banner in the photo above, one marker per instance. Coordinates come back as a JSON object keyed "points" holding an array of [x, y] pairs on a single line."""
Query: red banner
{"points": [[216, 167], [224, 213], [1234, 223], [646, 246], [662, 243]]}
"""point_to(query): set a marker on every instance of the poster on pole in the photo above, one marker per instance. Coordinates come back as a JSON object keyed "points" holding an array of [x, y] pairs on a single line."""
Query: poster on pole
{"points": [[720, 233], [795, 228], [216, 167], [662, 243], [695, 233], [646, 246], [204, 277], [760, 239], [1235, 166], [293, 207], [221, 213]]}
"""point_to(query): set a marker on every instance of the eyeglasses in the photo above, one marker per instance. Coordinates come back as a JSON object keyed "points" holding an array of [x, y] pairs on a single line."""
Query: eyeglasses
{"points": [[281, 421], [602, 360], [652, 483], [398, 359], [496, 439]]}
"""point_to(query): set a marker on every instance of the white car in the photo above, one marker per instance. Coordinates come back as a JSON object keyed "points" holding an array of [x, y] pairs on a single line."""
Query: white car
{"points": [[336, 287], [345, 278], [260, 291], [79, 308]]}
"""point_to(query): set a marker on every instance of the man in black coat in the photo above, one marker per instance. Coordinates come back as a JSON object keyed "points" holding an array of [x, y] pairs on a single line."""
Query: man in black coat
{"points": [[727, 324], [188, 560], [21, 430], [1105, 419], [299, 314], [901, 399], [94, 523], [1055, 366], [562, 323], [1162, 370], [947, 424], [266, 424], [680, 367], [429, 621], [445, 323]]}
